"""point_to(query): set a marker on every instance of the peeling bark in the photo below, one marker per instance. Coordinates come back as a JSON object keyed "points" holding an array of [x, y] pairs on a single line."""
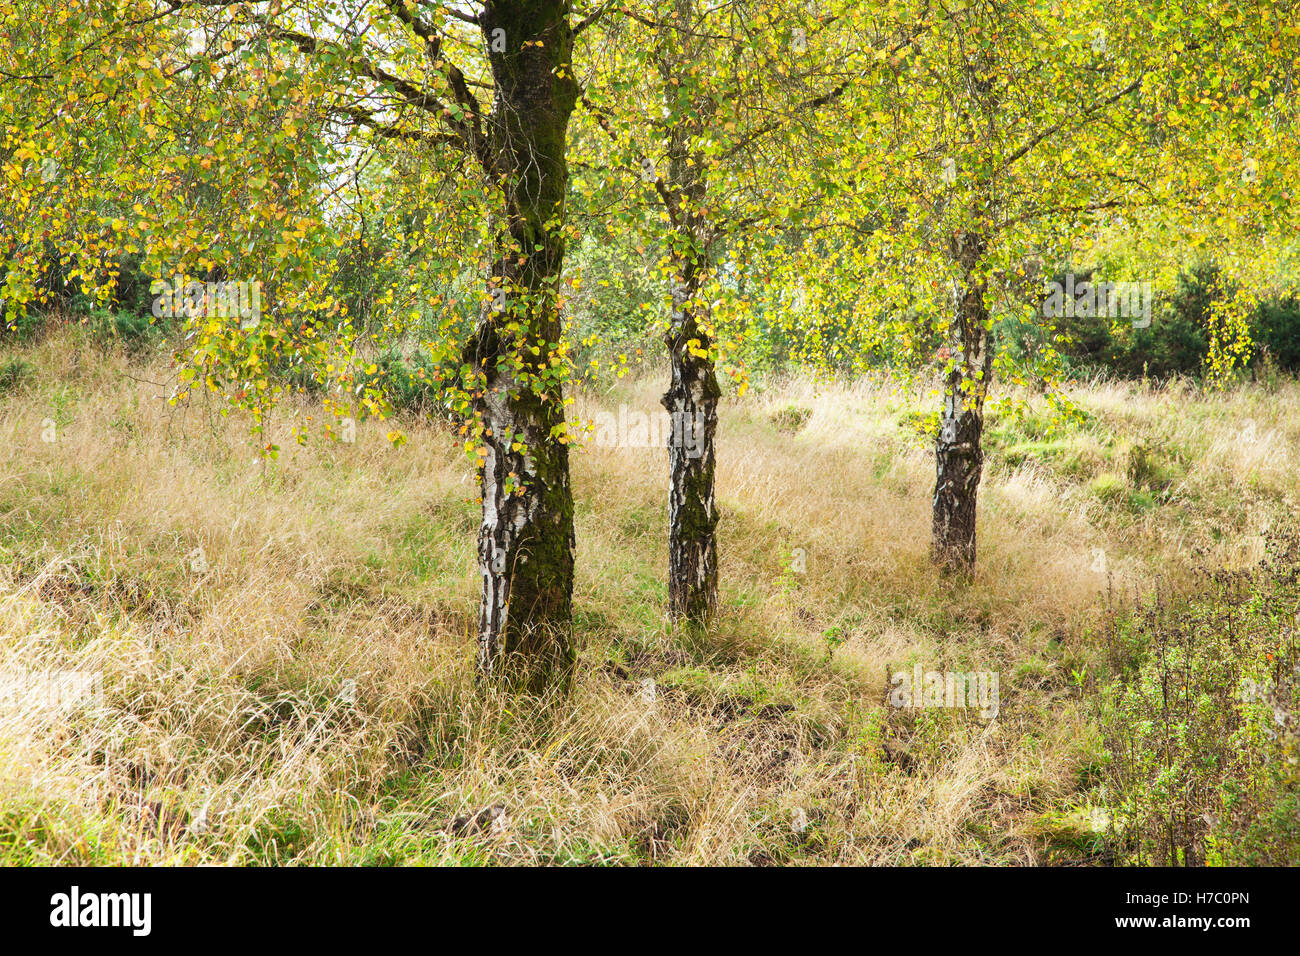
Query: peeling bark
{"points": [[959, 451], [526, 543]]}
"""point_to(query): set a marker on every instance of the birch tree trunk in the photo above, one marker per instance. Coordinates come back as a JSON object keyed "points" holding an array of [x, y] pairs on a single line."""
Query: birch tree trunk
{"points": [[692, 403], [959, 451], [693, 392], [526, 543]]}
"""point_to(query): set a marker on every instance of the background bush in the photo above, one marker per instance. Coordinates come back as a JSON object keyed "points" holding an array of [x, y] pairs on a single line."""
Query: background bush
{"points": [[1176, 342], [1201, 717]]}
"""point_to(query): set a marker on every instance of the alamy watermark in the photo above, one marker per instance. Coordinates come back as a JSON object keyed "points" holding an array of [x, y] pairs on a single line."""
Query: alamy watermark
{"points": [[23, 689], [74, 908], [1129, 300], [1272, 696], [976, 690], [634, 429], [241, 299]]}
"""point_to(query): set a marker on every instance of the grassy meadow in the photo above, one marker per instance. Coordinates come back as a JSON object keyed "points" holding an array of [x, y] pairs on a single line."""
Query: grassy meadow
{"points": [[286, 648]]}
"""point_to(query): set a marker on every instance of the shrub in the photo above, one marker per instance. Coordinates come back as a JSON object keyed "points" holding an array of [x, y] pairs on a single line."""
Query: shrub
{"points": [[12, 373], [1108, 486], [128, 296], [413, 383], [1176, 342], [123, 327], [791, 418], [1200, 720], [1277, 330]]}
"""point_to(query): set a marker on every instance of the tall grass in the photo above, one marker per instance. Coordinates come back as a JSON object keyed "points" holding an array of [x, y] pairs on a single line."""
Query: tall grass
{"points": [[285, 649]]}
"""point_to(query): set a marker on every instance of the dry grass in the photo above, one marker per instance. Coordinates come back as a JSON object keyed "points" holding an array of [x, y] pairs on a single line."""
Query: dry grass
{"points": [[286, 658]]}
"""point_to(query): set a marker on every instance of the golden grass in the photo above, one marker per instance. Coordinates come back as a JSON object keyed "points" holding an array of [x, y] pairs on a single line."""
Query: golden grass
{"points": [[286, 650]]}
